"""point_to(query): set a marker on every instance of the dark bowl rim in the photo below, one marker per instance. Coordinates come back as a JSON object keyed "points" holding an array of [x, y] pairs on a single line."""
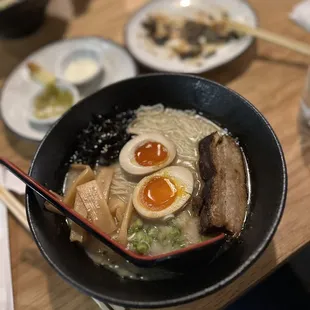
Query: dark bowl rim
{"points": [[156, 69], [194, 296]]}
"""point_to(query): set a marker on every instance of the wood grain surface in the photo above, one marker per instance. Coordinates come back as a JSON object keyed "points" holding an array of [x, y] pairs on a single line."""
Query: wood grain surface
{"points": [[271, 77]]}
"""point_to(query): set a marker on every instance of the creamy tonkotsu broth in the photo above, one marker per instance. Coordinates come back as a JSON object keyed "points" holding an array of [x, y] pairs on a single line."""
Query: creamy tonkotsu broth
{"points": [[138, 177]]}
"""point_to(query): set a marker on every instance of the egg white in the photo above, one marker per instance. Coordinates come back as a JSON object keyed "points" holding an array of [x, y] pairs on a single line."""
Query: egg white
{"points": [[181, 177], [127, 155]]}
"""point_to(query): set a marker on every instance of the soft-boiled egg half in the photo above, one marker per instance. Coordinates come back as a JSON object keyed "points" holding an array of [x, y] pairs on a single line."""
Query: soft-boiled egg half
{"points": [[146, 154], [164, 192]]}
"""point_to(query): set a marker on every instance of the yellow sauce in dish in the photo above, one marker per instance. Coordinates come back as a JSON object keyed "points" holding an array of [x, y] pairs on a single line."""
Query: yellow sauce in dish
{"points": [[52, 102]]}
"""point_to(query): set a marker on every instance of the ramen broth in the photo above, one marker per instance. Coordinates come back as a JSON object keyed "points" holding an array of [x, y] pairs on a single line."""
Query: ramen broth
{"points": [[146, 236]]}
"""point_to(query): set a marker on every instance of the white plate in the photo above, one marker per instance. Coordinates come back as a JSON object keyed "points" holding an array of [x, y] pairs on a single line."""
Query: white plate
{"points": [[19, 88], [158, 58]]}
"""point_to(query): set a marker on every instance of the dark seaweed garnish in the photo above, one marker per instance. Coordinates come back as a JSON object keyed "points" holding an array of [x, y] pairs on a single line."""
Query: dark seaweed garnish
{"points": [[101, 141]]}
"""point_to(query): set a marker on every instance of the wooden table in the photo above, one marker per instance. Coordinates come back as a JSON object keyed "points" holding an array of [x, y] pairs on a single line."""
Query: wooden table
{"points": [[272, 80]]}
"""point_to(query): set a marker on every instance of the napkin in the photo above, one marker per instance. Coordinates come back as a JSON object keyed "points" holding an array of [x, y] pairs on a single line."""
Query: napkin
{"points": [[11, 182], [6, 294], [301, 14]]}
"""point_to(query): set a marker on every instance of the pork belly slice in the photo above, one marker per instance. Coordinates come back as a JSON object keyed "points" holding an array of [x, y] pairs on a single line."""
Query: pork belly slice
{"points": [[222, 167]]}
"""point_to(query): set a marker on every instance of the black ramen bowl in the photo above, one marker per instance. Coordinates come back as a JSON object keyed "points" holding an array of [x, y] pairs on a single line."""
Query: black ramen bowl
{"points": [[219, 104], [22, 17]]}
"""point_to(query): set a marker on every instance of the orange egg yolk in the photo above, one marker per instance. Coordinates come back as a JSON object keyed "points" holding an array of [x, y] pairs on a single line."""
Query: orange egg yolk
{"points": [[151, 154], [159, 193]]}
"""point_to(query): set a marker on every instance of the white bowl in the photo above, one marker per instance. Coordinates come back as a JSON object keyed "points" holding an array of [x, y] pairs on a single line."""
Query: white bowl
{"points": [[73, 55], [48, 121]]}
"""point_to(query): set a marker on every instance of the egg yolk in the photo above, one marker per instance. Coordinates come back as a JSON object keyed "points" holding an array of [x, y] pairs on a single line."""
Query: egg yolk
{"points": [[159, 193], [151, 154]]}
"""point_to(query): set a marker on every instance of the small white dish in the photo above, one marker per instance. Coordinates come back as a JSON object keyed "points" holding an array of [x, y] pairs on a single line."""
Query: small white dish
{"points": [[159, 58], [63, 85], [80, 67], [19, 88]]}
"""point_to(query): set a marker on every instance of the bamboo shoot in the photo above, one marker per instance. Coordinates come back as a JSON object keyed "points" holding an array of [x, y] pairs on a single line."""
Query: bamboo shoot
{"points": [[104, 179], [96, 206], [85, 176], [123, 233], [77, 233], [116, 203]]}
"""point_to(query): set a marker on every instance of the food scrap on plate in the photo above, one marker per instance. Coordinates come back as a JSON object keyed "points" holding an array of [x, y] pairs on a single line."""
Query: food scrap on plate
{"points": [[55, 97], [187, 37]]}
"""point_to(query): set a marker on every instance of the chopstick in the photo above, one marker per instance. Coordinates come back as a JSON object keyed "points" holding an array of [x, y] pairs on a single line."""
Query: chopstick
{"points": [[269, 36], [14, 206], [65, 209]]}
